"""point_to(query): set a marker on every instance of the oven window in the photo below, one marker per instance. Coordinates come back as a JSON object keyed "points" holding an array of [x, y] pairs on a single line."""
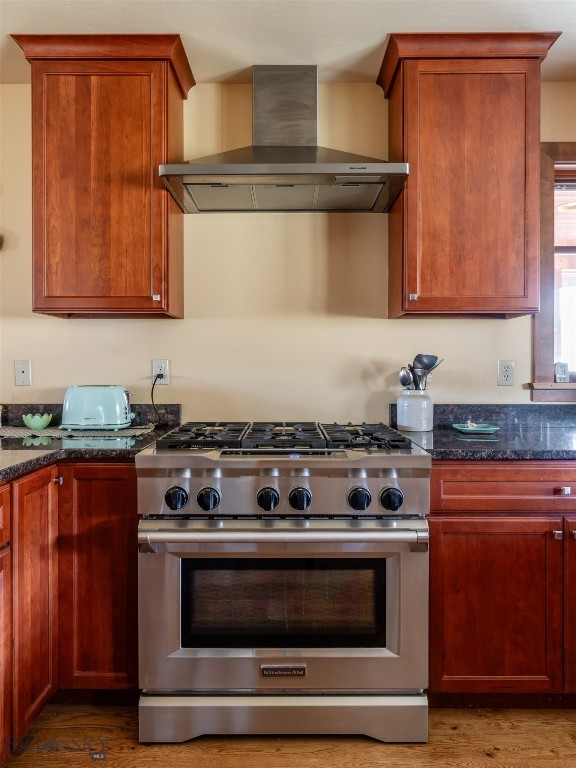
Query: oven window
{"points": [[271, 603]]}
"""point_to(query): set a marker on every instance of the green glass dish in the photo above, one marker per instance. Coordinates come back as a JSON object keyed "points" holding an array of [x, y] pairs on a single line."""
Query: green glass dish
{"points": [[37, 420], [476, 429]]}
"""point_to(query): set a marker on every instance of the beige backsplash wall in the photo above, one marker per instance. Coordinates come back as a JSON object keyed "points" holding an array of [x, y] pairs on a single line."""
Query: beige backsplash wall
{"points": [[284, 312]]}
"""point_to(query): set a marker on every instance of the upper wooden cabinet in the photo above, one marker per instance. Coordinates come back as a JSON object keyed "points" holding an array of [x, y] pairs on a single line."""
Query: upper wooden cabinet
{"points": [[106, 111], [464, 112]]}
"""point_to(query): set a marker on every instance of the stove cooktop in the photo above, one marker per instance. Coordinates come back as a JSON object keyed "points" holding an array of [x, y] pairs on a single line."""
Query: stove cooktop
{"points": [[307, 435]]}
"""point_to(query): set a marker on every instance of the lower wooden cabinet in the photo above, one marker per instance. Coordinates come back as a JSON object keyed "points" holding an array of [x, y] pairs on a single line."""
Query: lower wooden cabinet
{"points": [[35, 585], [503, 577], [97, 552], [496, 604], [569, 604], [5, 623], [5, 652]]}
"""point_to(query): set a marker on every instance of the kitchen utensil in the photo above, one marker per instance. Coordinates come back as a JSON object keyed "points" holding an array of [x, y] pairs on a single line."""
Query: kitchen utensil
{"points": [[425, 361], [37, 420], [411, 371], [419, 375], [406, 378], [435, 366]]}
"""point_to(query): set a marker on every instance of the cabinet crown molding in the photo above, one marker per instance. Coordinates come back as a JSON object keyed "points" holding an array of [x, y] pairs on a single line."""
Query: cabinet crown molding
{"points": [[457, 45], [139, 47]]}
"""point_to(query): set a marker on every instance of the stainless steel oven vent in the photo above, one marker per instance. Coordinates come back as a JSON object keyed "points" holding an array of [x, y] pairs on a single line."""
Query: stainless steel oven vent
{"points": [[285, 169]]}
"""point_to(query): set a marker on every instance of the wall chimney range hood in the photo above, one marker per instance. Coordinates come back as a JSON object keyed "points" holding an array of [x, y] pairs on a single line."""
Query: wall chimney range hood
{"points": [[284, 169]]}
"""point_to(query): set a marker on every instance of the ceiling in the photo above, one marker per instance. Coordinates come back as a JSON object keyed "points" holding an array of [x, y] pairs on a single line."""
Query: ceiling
{"points": [[345, 38]]}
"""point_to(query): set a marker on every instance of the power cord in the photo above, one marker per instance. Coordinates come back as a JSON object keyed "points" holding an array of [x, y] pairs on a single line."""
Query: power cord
{"points": [[159, 422]]}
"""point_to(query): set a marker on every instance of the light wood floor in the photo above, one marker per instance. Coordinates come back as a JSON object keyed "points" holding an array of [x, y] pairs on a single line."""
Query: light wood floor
{"points": [[65, 735]]}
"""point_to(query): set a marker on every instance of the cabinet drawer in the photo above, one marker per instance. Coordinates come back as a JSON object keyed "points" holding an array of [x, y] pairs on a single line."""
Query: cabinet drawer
{"points": [[503, 486]]}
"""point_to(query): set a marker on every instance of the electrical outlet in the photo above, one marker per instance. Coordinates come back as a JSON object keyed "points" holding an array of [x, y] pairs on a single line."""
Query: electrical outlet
{"points": [[160, 367], [23, 373], [505, 373]]}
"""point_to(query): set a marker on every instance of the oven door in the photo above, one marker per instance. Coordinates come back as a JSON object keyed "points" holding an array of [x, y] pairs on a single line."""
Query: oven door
{"points": [[237, 609]]}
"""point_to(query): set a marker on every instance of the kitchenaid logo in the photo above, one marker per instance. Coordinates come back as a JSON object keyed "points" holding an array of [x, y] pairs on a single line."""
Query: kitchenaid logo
{"points": [[285, 670], [358, 167]]}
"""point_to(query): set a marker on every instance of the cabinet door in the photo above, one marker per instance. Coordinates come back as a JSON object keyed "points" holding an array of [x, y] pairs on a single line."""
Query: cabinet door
{"points": [[35, 584], [472, 199], [5, 623], [5, 650], [569, 603], [4, 514], [100, 212], [495, 604], [98, 576]]}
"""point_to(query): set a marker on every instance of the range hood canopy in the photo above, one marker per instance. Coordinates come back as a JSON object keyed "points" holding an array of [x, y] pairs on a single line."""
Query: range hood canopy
{"points": [[284, 169]]}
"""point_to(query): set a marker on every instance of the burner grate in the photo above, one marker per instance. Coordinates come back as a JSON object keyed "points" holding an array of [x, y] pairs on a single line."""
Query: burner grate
{"points": [[305, 434], [377, 436], [290, 435], [196, 434]]}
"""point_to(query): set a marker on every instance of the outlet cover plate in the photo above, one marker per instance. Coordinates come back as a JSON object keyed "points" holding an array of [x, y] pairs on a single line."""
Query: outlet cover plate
{"points": [[505, 373], [161, 366]]}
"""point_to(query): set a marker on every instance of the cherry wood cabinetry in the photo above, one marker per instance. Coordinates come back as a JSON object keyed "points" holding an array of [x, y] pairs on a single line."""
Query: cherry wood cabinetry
{"points": [[106, 111], [5, 623], [502, 577], [98, 576], [35, 628], [464, 112]]}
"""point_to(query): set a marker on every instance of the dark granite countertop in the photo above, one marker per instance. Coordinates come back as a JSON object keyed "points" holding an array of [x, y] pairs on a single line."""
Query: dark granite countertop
{"points": [[19, 456], [533, 432], [526, 443]]}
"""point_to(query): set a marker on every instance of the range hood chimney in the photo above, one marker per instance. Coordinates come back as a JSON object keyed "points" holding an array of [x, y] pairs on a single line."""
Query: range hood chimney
{"points": [[284, 169]]}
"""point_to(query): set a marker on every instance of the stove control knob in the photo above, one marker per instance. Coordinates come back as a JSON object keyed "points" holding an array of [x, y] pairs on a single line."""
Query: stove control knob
{"points": [[359, 499], [391, 499], [176, 497], [268, 499], [208, 499], [300, 498]]}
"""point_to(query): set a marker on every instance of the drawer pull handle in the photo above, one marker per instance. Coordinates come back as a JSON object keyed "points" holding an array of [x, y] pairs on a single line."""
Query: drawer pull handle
{"points": [[564, 490], [558, 534]]}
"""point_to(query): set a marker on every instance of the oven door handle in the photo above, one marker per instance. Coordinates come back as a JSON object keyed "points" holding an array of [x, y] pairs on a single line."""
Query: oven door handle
{"points": [[404, 536]]}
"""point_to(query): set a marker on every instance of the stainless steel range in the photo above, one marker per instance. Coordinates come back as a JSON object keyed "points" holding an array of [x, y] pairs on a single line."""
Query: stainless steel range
{"points": [[283, 582]]}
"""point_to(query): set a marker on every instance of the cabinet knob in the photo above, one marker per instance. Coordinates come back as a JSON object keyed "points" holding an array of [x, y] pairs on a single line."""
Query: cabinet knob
{"points": [[413, 297], [58, 480], [558, 534], [564, 490]]}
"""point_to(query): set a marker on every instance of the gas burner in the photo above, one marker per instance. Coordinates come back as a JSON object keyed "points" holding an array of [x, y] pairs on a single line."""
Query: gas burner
{"points": [[284, 435], [194, 435], [365, 436]]}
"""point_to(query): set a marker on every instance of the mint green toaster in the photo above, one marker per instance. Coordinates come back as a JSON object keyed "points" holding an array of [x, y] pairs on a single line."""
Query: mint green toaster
{"points": [[104, 406]]}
